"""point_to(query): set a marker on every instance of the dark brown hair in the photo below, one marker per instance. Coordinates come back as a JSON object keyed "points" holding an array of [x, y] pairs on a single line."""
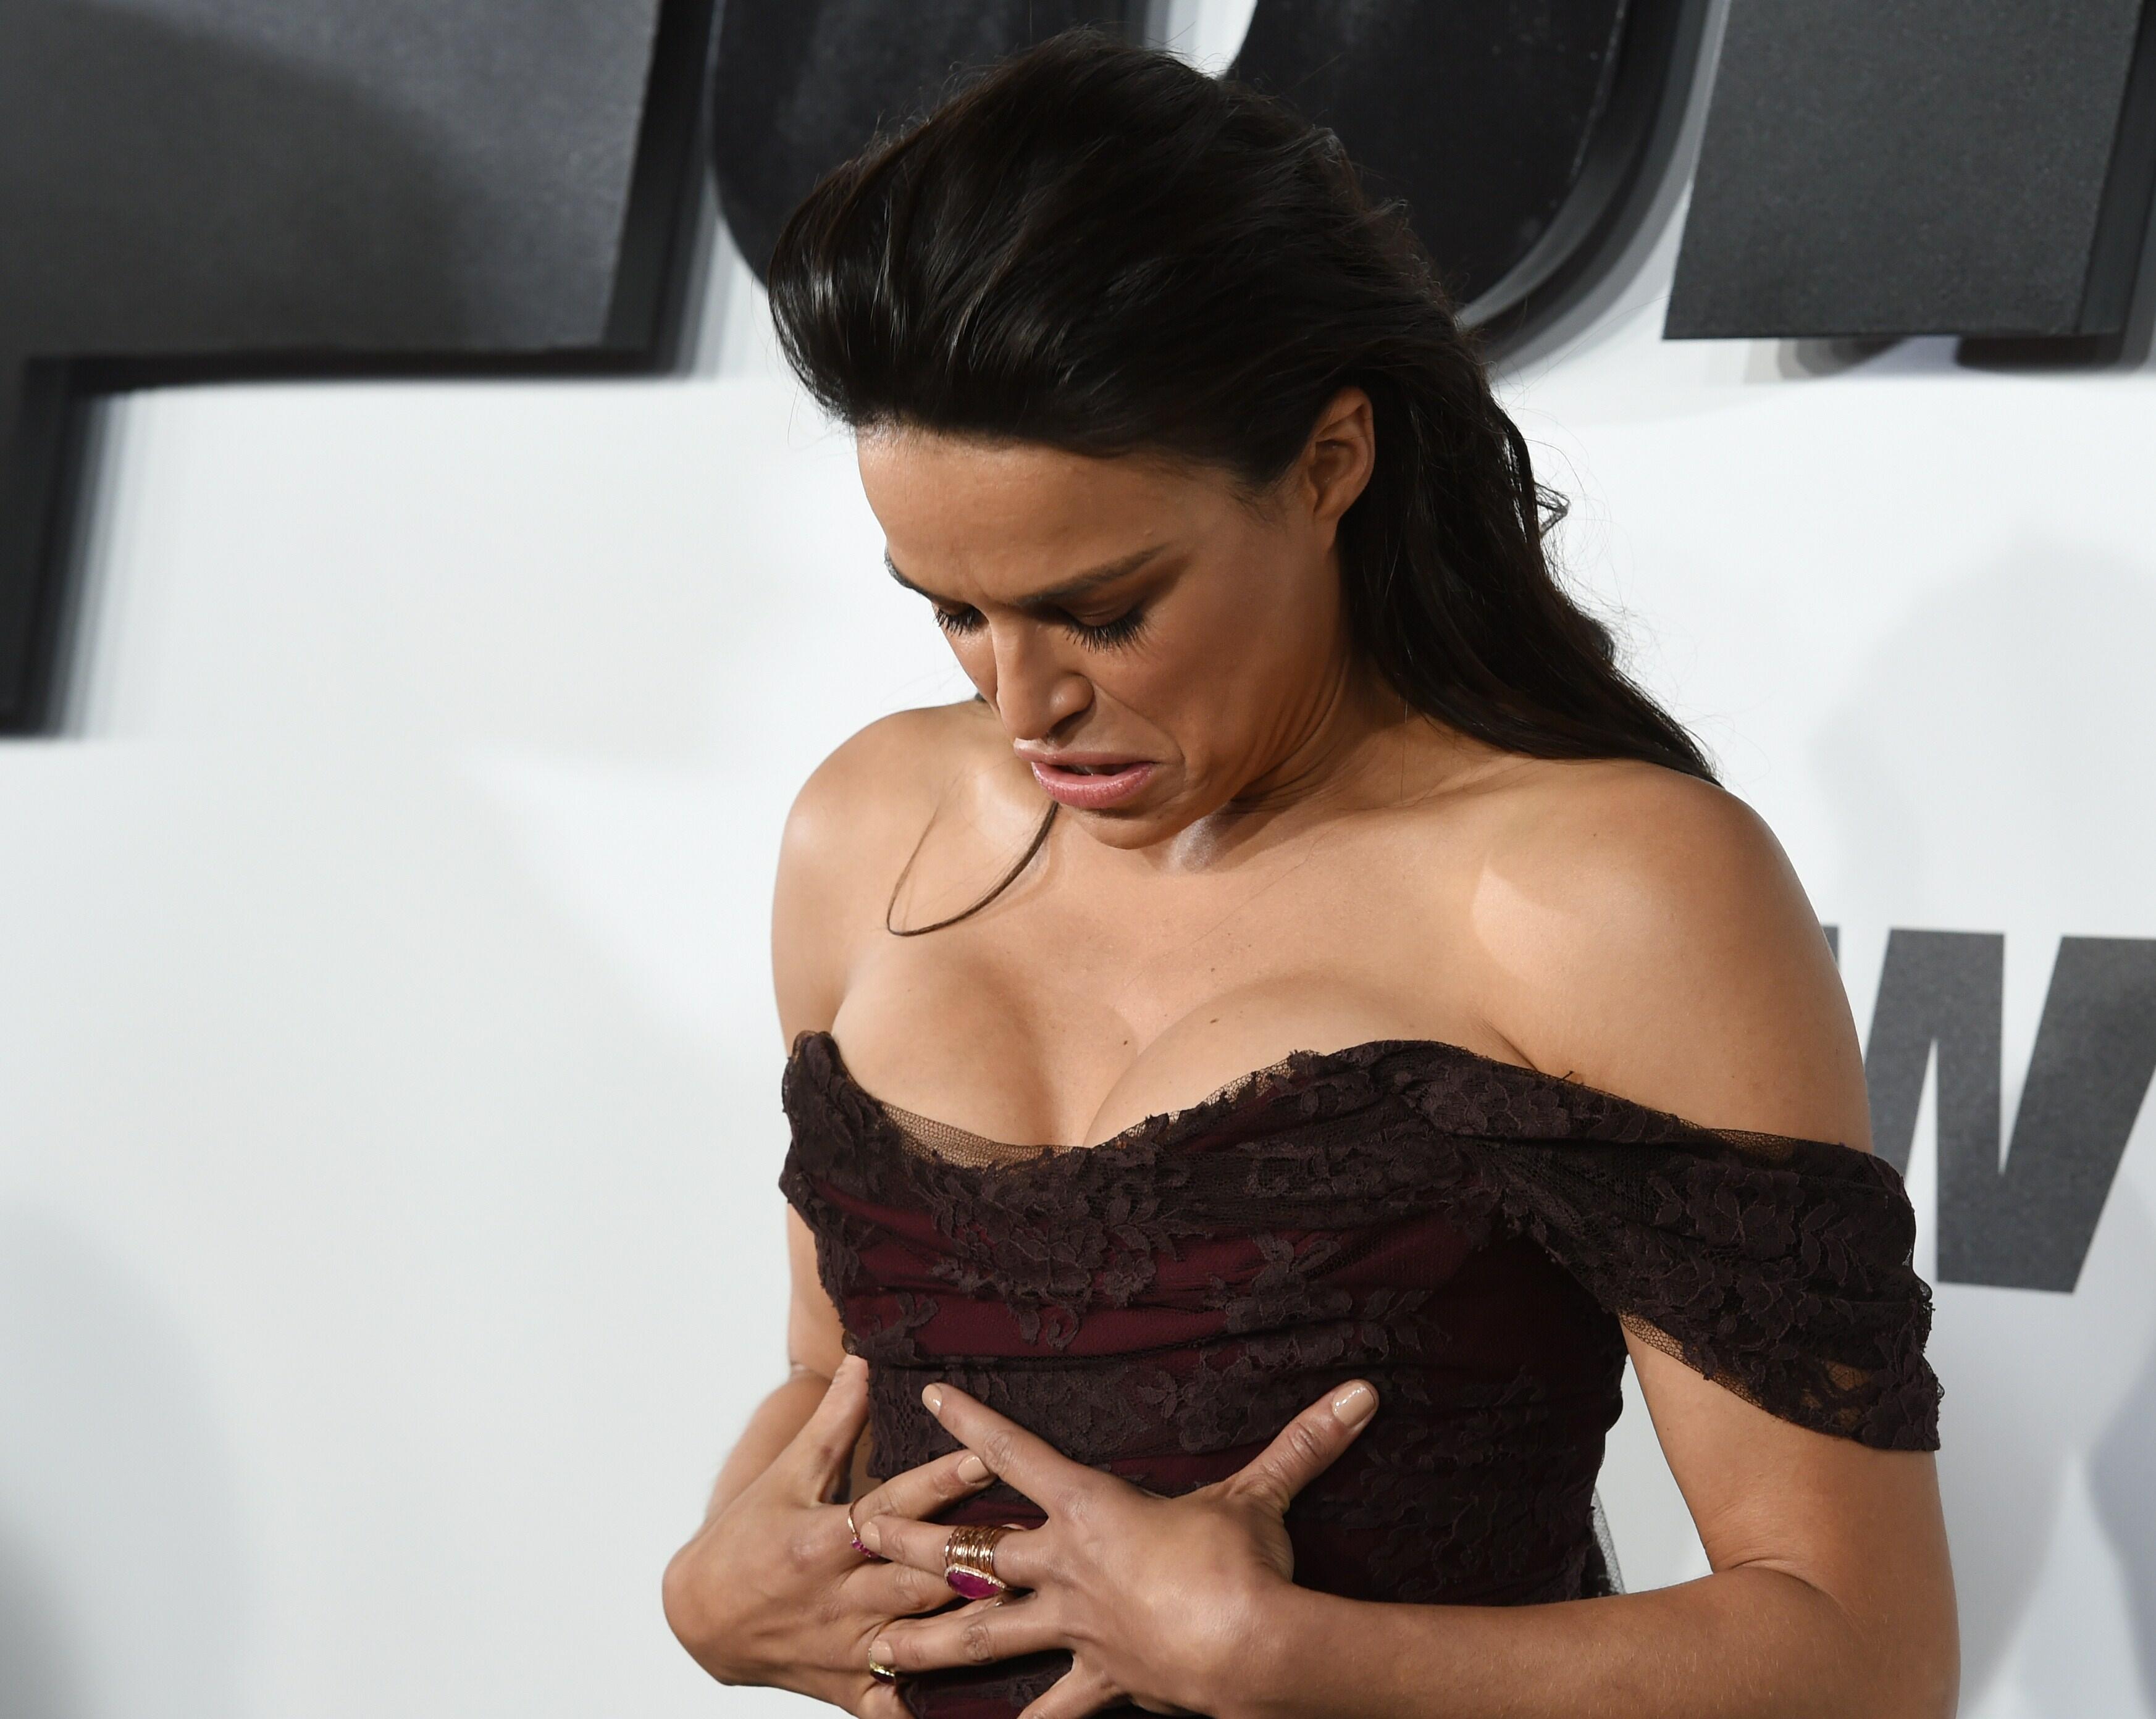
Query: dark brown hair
{"points": [[1096, 247]]}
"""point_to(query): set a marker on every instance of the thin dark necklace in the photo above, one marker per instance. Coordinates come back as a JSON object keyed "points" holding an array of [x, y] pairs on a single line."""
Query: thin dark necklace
{"points": [[1025, 860]]}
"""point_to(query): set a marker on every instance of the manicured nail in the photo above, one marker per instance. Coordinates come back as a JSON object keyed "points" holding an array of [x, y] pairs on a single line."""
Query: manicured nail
{"points": [[932, 1395], [1353, 1406], [870, 1536], [973, 1469], [878, 1657]]}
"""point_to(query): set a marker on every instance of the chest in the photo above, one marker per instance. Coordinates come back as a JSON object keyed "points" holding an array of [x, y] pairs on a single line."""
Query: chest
{"points": [[1087, 1000]]}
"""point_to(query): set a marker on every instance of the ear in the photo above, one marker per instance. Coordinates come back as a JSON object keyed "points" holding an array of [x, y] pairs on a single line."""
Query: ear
{"points": [[1339, 457]]}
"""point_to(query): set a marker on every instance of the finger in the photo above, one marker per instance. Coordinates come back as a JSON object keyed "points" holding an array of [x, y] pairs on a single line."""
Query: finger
{"points": [[1077, 1692], [926, 1488], [1030, 1463], [882, 1700], [823, 1451], [974, 1635], [1306, 1446], [895, 1590], [1021, 1556]]}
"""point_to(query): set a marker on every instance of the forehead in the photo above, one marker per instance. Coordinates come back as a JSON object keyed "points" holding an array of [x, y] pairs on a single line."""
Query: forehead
{"points": [[981, 504]]}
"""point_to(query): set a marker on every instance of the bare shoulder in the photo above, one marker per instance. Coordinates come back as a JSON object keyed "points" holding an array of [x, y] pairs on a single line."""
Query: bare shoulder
{"points": [[1649, 935], [847, 837], [884, 773]]}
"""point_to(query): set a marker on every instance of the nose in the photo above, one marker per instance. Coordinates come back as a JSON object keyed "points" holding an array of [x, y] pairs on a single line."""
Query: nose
{"points": [[1036, 693]]}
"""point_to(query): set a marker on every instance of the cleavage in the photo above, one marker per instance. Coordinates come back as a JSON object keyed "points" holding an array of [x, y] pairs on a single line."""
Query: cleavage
{"points": [[1000, 1076]]}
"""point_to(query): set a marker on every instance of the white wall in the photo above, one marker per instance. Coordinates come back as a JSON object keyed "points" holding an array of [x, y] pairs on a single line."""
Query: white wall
{"points": [[389, 1245]]}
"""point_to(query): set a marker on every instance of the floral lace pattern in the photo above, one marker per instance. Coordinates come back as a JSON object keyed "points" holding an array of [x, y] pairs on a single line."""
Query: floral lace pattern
{"points": [[1472, 1237]]}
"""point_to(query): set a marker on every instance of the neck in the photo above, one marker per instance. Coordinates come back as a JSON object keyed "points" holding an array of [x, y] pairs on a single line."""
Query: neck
{"points": [[1349, 751]]}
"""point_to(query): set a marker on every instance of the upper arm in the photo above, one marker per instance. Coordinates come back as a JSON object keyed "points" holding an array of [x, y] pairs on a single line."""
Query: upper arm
{"points": [[818, 864], [816, 1338], [1647, 935], [840, 848], [1864, 1526], [1660, 946], [846, 837]]}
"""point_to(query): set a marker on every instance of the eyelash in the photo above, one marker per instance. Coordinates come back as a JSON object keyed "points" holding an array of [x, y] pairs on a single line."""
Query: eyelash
{"points": [[1109, 635]]}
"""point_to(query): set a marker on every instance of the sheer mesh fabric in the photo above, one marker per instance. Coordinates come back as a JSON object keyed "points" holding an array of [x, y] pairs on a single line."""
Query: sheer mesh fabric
{"points": [[1473, 1237]]}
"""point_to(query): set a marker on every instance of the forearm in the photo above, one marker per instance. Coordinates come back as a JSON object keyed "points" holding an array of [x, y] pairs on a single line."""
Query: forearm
{"points": [[1746, 1643], [770, 1429]]}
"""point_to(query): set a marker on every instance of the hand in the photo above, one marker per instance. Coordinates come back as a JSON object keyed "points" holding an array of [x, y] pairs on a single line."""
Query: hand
{"points": [[1158, 1599], [772, 1590]]}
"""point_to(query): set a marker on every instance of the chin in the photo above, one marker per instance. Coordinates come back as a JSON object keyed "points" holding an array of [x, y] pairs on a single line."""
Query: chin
{"points": [[1129, 828], [1124, 829]]}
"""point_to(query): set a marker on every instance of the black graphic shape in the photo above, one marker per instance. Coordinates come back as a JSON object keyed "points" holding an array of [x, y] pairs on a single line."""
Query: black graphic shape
{"points": [[1942, 990], [1977, 167], [1521, 137], [2026, 1224], [802, 85], [2030, 1223], [196, 190]]}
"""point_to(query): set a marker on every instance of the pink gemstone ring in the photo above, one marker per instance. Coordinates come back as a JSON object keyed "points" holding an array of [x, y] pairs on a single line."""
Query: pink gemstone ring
{"points": [[854, 1534], [969, 1561]]}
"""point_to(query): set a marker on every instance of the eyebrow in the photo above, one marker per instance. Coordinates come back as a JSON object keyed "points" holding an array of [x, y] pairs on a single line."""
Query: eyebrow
{"points": [[1056, 596]]}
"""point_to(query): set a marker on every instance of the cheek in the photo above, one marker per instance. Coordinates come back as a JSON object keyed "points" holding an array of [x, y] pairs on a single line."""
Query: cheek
{"points": [[1198, 690], [976, 656], [1239, 670]]}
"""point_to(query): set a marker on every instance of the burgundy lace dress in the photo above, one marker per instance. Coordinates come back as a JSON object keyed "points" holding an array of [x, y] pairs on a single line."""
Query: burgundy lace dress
{"points": [[1472, 1237]]}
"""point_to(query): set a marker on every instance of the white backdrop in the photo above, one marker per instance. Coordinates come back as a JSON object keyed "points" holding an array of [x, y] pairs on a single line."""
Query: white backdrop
{"points": [[389, 1241]]}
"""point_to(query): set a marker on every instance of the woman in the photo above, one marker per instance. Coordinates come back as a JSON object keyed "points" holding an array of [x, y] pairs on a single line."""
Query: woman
{"points": [[1415, 1027]]}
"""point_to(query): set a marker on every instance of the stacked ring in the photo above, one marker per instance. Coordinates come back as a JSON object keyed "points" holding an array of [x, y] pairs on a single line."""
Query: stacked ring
{"points": [[854, 1534], [969, 1561]]}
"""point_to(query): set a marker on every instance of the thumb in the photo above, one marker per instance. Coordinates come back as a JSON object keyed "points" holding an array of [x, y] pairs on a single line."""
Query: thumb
{"points": [[1306, 1446], [823, 1449]]}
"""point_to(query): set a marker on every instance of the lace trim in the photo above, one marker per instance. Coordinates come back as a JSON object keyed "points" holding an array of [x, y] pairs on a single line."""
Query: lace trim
{"points": [[1779, 1266]]}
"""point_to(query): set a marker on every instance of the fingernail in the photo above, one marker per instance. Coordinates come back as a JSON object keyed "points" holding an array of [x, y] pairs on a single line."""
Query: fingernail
{"points": [[973, 1469], [932, 1395], [878, 1656], [869, 1537], [1353, 1406]]}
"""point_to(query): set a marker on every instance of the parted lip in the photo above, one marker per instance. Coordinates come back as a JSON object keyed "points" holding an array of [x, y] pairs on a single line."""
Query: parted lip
{"points": [[1054, 760]]}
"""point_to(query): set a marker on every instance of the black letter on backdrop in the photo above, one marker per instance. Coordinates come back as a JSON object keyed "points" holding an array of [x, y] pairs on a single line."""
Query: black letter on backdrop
{"points": [[1977, 167], [804, 84], [199, 189], [1526, 141], [2026, 1224]]}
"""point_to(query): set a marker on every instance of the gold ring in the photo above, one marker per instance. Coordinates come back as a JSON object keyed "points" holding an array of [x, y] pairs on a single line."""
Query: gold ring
{"points": [[969, 1561], [854, 1533]]}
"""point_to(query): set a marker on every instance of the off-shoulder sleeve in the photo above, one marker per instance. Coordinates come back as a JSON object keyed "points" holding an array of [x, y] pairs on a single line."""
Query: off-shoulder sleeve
{"points": [[1780, 1268]]}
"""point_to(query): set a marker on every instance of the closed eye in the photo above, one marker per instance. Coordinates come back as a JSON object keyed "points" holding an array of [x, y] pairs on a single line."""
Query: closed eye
{"points": [[1105, 635], [1110, 635]]}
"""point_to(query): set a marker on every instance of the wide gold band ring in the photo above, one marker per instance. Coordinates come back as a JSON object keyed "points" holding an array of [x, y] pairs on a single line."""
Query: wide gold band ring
{"points": [[969, 1561]]}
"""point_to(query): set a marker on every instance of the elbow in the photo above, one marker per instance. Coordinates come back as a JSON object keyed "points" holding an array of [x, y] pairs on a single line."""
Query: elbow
{"points": [[1897, 1659], [1916, 1647], [678, 1599], [1928, 1689], [685, 1597], [1908, 1660], [1926, 1675]]}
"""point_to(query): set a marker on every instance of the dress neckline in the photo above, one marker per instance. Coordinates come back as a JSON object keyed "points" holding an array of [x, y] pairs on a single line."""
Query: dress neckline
{"points": [[1226, 1096]]}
